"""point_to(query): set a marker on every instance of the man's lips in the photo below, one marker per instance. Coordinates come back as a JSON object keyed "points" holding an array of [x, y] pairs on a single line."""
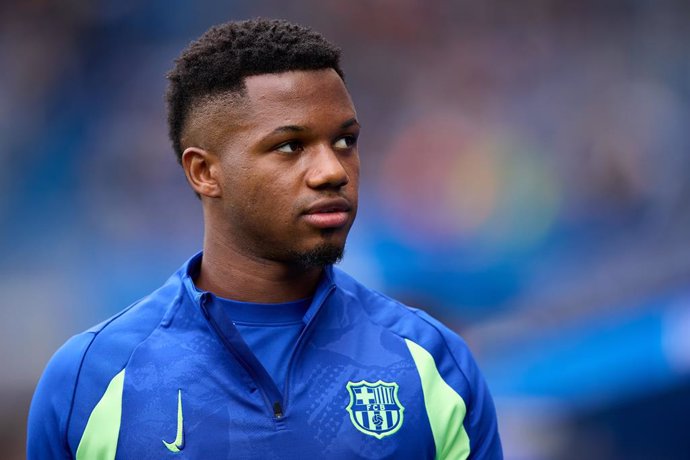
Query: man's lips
{"points": [[328, 213]]}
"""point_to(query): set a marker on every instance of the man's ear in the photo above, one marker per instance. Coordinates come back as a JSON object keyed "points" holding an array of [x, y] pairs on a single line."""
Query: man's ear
{"points": [[202, 170]]}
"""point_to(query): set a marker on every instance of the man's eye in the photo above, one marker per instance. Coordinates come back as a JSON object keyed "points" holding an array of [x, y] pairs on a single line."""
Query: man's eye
{"points": [[345, 142], [289, 147]]}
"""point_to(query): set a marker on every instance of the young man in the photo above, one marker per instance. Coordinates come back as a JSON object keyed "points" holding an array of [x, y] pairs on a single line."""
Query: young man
{"points": [[257, 348]]}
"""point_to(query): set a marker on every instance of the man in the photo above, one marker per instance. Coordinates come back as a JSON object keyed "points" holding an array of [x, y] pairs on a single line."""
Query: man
{"points": [[257, 348]]}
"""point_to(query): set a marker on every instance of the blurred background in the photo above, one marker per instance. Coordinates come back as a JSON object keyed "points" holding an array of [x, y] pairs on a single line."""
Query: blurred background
{"points": [[525, 179]]}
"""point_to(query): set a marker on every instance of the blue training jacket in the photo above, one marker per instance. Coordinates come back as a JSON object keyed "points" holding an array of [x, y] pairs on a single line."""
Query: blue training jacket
{"points": [[170, 377]]}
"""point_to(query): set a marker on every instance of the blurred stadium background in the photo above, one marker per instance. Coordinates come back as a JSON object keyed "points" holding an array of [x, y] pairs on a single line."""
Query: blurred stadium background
{"points": [[525, 178]]}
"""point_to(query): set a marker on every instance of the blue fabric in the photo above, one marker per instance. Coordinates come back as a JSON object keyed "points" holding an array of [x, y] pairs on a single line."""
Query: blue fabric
{"points": [[179, 340], [270, 330], [51, 408]]}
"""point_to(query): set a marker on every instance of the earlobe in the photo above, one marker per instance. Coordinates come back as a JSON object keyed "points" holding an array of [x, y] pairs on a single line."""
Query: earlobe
{"points": [[201, 168]]}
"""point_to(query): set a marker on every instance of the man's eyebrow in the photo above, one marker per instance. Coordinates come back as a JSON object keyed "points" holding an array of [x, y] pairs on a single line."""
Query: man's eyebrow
{"points": [[349, 123], [289, 128], [300, 129]]}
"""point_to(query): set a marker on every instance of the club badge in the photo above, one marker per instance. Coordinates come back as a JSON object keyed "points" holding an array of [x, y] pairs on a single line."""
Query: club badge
{"points": [[374, 407]]}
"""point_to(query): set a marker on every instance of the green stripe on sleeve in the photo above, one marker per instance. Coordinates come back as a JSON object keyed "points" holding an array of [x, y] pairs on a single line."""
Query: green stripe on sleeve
{"points": [[444, 406], [99, 441]]}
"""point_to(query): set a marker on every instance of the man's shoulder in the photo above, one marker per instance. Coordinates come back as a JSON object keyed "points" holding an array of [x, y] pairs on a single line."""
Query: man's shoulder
{"points": [[457, 398], [366, 295], [124, 331], [106, 346], [412, 323], [78, 373], [145, 313]]}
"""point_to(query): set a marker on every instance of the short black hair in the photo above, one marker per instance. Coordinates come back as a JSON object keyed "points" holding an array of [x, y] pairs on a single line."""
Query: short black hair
{"points": [[220, 60]]}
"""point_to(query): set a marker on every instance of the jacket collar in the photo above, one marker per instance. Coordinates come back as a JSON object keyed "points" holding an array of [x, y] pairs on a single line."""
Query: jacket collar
{"points": [[190, 270]]}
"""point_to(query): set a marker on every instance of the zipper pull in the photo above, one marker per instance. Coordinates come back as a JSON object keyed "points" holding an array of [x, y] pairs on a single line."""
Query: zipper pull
{"points": [[277, 409], [203, 299]]}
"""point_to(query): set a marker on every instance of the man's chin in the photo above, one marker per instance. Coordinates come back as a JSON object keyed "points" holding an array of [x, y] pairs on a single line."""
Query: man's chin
{"points": [[319, 256]]}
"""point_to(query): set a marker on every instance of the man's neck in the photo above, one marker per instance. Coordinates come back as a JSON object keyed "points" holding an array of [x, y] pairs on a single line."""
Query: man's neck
{"points": [[232, 275]]}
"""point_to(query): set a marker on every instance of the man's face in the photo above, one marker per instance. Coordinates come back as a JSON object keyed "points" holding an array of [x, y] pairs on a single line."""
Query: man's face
{"points": [[289, 169]]}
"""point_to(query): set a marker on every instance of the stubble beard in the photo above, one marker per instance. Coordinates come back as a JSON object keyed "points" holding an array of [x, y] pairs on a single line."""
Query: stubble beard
{"points": [[319, 256]]}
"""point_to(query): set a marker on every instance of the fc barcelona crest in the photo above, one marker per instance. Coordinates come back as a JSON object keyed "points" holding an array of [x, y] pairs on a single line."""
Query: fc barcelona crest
{"points": [[374, 407]]}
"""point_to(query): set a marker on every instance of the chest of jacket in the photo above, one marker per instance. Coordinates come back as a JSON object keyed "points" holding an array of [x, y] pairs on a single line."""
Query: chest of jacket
{"points": [[352, 391]]}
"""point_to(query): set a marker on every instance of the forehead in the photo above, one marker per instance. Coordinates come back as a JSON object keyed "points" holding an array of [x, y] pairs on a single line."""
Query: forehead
{"points": [[314, 100], [297, 97]]}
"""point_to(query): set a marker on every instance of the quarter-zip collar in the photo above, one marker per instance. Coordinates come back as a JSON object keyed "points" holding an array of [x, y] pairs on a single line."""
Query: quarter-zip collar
{"points": [[231, 338], [323, 289]]}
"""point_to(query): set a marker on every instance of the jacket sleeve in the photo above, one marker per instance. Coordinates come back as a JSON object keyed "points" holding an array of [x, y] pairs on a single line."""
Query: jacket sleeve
{"points": [[481, 420], [52, 402], [460, 372]]}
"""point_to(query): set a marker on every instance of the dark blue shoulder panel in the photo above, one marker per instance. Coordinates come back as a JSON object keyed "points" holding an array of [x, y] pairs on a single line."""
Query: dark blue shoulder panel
{"points": [[52, 402]]}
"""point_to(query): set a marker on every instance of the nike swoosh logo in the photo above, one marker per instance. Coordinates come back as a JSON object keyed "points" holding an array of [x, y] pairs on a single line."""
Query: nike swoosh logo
{"points": [[178, 444]]}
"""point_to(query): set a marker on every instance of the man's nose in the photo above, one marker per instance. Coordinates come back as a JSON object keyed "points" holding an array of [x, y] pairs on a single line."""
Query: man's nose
{"points": [[326, 169]]}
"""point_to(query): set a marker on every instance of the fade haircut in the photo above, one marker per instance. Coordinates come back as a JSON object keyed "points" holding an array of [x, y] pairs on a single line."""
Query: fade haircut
{"points": [[219, 61]]}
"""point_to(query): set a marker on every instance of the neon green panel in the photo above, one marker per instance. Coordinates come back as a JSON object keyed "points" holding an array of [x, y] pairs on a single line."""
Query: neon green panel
{"points": [[99, 441], [445, 408]]}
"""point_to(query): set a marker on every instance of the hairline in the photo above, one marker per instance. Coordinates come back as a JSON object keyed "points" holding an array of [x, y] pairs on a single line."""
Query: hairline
{"points": [[224, 99]]}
